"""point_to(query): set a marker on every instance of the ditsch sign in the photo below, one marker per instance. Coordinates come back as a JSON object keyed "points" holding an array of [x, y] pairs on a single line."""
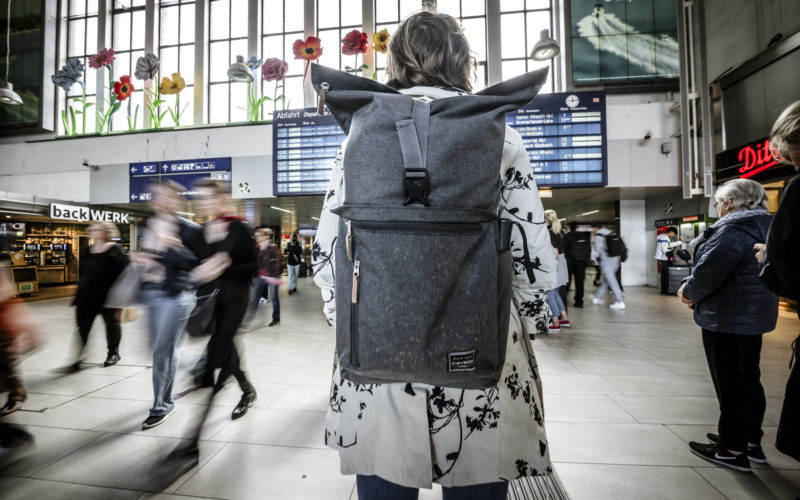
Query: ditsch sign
{"points": [[756, 159], [85, 214]]}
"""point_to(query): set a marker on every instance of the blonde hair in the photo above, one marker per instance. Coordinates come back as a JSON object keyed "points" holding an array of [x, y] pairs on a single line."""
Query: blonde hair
{"points": [[109, 228], [551, 217], [429, 49], [785, 132]]}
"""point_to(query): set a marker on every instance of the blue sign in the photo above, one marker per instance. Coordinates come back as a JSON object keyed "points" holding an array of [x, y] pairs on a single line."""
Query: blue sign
{"points": [[304, 145], [565, 136], [183, 172]]}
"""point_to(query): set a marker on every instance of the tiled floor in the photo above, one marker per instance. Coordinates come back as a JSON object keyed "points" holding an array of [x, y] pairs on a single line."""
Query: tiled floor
{"points": [[624, 393]]}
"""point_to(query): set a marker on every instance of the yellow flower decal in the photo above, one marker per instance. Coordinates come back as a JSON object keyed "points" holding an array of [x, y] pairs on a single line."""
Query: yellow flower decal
{"points": [[174, 85], [381, 41]]}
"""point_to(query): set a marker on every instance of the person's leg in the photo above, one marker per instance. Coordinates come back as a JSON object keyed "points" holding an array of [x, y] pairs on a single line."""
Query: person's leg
{"points": [[375, 488], [258, 290], [562, 293], [84, 316], [724, 355], [756, 399], [580, 277], [553, 304], [276, 303], [610, 278], [562, 309], [293, 270], [664, 276], [618, 275], [113, 330], [486, 491]]}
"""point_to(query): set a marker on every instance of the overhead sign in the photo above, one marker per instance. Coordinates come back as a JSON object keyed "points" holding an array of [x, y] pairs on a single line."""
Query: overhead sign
{"points": [[79, 213], [751, 161], [565, 136], [183, 172], [304, 145]]}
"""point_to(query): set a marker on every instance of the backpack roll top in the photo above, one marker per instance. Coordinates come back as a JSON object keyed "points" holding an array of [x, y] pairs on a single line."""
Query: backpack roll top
{"points": [[423, 290]]}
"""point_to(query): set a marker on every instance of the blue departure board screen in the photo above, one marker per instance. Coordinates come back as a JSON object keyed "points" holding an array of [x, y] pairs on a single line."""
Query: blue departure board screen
{"points": [[184, 172], [565, 136], [304, 147]]}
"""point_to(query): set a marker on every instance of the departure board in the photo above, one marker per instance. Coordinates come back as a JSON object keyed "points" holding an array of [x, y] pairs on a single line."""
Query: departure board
{"points": [[304, 146], [565, 136], [185, 172]]}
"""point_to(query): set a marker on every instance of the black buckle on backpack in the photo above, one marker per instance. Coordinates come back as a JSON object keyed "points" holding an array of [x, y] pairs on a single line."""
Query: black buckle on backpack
{"points": [[416, 186]]}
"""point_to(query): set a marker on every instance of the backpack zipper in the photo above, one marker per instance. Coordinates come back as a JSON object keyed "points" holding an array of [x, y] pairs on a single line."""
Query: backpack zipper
{"points": [[349, 240], [356, 273], [324, 87], [354, 316], [421, 227]]}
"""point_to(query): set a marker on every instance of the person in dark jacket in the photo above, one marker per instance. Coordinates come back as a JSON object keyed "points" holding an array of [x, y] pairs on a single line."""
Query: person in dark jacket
{"points": [[99, 267], [577, 249], [171, 247], [294, 256], [734, 310], [272, 262]]}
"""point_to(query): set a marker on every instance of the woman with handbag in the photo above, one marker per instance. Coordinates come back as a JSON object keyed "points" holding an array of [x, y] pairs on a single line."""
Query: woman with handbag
{"points": [[99, 266], [555, 299]]}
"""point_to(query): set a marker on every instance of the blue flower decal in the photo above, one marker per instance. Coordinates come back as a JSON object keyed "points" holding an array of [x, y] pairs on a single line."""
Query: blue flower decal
{"points": [[70, 74], [253, 64]]}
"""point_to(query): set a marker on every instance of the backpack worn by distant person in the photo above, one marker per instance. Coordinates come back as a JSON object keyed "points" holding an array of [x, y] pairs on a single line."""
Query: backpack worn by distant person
{"points": [[423, 182], [616, 247]]}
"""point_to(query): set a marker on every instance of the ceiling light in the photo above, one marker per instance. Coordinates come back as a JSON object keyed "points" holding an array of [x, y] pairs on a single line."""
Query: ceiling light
{"points": [[188, 214], [7, 94], [281, 209], [546, 48], [545, 193], [590, 213], [559, 220], [239, 72], [20, 213], [8, 216], [315, 218]]}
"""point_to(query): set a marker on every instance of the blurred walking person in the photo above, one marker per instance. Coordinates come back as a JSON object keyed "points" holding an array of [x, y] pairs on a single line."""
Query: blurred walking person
{"points": [[577, 248], [294, 256], [608, 266], [272, 261]]}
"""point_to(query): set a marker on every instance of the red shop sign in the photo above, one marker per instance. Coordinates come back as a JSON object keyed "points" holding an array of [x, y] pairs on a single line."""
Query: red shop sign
{"points": [[756, 159]]}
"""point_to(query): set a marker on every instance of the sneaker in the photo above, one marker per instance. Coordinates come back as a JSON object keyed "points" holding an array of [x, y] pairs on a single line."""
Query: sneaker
{"points": [[155, 420], [617, 305], [595, 300], [289, 292], [714, 453], [754, 453], [565, 323], [274, 322], [579, 305], [553, 329]]}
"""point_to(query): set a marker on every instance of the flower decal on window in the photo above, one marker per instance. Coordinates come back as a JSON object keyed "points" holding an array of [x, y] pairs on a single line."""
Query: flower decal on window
{"points": [[69, 74], [103, 58], [146, 67], [380, 41], [274, 69], [172, 85], [309, 49], [123, 88], [354, 43]]}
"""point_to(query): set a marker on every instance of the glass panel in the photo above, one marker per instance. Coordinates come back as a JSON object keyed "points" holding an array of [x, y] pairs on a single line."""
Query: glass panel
{"points": [[512, 44], [537, 21], [351, 13], [122, 65], [169, 61], [220, 19], [507, 5], [450, 7], [294, 92], [238, 48], [238, 18], [218, 62], [135, 55], [168, 29], [77, 35], [273, 16], [479, 76], [272, 47], [91, 7], [472, 8], [294, 15], [185, 100], [238, 102], [328, 13], [218, 103], [138, 30], [408, 7], [91, 40], [187, 64], [385, 11], [77, 7], [122, 31], [331, 45], [513, 68], [89, 78], [475, 31], [187, 24], [540, 4]]}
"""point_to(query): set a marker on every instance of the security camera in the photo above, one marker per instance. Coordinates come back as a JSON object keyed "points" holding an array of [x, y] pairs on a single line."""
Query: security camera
{"points": [[646, 140], [93, 168]]}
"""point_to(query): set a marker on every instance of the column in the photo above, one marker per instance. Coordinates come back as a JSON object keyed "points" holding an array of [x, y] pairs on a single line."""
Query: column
{"points": [[633, 230]]}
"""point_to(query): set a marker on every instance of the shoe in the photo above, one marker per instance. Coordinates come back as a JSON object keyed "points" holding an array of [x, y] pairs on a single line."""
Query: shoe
{"points": [[579, 305], [714, 453], [155, 420], [553, 329], [246, 402], [565, 323], [617, 305], [73, 368], [11, 406], [754, 453], [112, 360], [289, 292], [595, 300], [274, 322]]}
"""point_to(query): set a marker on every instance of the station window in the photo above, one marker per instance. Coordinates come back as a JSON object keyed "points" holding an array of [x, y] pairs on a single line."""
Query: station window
{"points": [[81, 43], [282, 24], [472, 16], [127, 40], [227, 101], [521, 22], [336, 18], [175, 31], [388, 14]]}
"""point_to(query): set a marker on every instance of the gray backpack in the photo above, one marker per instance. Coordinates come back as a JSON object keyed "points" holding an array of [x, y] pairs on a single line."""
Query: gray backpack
{"points": [[423, 275]]}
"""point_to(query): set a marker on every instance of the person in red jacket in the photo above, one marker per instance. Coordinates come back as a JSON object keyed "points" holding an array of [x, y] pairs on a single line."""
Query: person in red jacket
{"points": [[270, 265]]}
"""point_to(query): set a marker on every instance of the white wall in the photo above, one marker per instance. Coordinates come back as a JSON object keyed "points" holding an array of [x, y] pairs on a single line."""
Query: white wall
{"points": [[633, 232]]}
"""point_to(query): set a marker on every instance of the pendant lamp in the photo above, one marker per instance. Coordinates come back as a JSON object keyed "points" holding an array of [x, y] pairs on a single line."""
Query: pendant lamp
{"points": [[546, 48], [7, 94]]}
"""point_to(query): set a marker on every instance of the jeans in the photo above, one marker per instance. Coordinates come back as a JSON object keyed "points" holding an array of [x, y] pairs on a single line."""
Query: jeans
{"points": [[664, 276], [734, 364], [166, 317], [375, 488], [276, 303], [555, 303], [85, 316], [259, 285], [609, 281], [293, 271], [579, 272]]}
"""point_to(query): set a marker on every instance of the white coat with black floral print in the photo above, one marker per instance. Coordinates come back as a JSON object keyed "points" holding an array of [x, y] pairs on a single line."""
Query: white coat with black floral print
{"points": [[415, 434]]}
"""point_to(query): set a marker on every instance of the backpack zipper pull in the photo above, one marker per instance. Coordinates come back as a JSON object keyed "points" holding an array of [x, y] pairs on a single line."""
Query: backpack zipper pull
{"points": [[324, 87], [349, 241], [356, 273]]}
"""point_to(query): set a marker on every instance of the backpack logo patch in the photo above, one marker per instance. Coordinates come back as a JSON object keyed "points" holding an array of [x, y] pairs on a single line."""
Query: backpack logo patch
{"points": [[461, 361]]}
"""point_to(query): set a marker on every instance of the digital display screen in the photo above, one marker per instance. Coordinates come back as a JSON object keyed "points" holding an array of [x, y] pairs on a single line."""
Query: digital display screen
{"points": [[565, 136], [621, 40], [304, 145], [184, 172]]}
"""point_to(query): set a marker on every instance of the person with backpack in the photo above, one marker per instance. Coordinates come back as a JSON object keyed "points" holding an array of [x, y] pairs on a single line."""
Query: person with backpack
{"points": [[294, 256], [577, 250], [432, 384], [665, 255], [609, 251], [734, 310]]}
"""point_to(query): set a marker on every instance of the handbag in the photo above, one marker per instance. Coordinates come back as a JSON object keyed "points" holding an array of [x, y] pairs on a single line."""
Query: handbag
{"points": [[201, 320], [125, 290]]}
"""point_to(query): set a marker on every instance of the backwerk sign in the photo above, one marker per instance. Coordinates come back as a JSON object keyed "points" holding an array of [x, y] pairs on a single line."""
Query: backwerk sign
{"points": [[85, 214]]}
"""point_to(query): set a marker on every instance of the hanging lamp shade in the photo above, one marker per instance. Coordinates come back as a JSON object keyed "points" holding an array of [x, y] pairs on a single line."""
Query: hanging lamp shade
{"points": [[546, 48], [239, 71], [7, 94]]}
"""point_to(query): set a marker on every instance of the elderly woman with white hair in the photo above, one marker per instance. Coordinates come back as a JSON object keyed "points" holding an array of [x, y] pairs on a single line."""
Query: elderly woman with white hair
{"points": [[734, 310]]}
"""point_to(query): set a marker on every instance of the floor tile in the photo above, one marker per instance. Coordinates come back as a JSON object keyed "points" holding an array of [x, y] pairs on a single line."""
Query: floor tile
{"points": [[18, 488], [83, 413], [671, 409], [303, 397], [584, 408], [761, 484], [50, 445], [567, 383], [651, 385], [276, 427], [620, 367]]}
